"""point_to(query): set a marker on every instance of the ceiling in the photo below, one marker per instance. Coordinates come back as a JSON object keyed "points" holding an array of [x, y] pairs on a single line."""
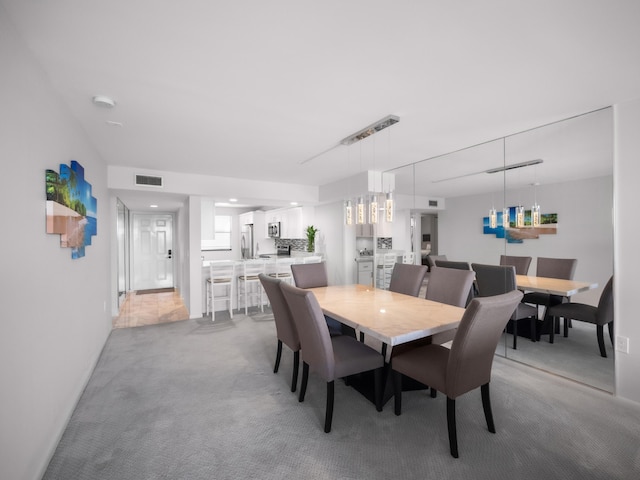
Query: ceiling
{"points": [[266, 90]]}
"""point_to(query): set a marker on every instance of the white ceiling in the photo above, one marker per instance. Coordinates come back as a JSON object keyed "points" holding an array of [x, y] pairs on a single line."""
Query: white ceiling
{"points": [[254, 88]]}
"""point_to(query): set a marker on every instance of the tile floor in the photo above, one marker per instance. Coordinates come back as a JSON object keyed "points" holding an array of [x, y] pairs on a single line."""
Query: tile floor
{"points": [[150, 308]]}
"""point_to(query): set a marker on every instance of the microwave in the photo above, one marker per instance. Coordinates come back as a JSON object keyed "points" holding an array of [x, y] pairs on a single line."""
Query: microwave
{"points": [[273, 229]]}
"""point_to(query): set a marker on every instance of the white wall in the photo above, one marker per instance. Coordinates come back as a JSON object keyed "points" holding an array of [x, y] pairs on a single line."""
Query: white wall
{"points": [[585, 230], [627, 253], [54, 322]]}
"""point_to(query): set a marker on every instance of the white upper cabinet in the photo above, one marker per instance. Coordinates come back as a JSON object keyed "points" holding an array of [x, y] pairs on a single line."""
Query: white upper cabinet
{"points": [[293, 220]]}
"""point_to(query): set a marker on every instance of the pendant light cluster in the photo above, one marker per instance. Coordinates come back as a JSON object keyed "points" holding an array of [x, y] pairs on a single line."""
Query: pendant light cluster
{"points": [[368, 207]]}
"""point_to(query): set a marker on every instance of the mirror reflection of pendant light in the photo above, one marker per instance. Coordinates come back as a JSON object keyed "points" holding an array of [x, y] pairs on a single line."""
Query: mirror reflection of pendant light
{"points": [[388, 207], [506, 218], [519, 216], [535, 215], [348, 212], [493, 218], [373, 209]]}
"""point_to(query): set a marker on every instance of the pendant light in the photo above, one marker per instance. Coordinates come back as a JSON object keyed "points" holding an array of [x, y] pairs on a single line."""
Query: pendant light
{"points": [[348, 212], [373, 209], [389, 207], [493, 218], [519, 216], [360, 211], [506, 217]]}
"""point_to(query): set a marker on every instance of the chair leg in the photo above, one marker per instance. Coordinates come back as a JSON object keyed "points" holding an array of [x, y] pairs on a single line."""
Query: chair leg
{"points": [[451, 425], [294, 377], [486, 405], [610, 326], [377, 387], [532, 328], [600, 333], [303, 383], [434, 392], [397, 392], [329, 415], [278, 356], [515, 334], [567, 321], [552, 329]]}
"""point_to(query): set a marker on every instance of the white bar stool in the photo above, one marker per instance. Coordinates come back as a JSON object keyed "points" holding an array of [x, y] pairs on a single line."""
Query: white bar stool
{"points": [[221, 274]]}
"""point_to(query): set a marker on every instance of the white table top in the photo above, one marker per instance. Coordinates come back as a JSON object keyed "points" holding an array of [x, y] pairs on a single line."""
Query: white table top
{"points": [[392, 318], [553, 286]]}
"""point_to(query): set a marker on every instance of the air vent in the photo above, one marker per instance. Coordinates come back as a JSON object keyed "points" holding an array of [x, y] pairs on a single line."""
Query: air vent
{"points": [[148, 181], [433, 203]]}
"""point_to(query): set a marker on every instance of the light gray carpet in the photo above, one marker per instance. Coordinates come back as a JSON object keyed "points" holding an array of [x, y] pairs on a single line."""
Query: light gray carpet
{"points": [[196, 400]]}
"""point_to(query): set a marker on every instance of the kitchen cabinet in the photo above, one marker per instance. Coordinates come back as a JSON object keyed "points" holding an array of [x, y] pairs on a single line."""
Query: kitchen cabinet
{"points": [[365, 271], [365, 230], [293, 221], [381, 229]]}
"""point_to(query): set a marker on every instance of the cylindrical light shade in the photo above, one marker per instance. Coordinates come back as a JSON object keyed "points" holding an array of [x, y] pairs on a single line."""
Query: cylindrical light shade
{"points": [[519, 216], [535, 215], [373, 209], [493, 218], [348, 212], [506, 218], [360, 211], [389, 207]]}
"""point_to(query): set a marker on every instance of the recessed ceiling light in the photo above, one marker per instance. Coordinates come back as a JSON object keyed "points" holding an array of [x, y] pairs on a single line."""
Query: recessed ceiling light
{"points": [[111, 123], [233, 199], [153, 206], [294, 203], [104, 101]]}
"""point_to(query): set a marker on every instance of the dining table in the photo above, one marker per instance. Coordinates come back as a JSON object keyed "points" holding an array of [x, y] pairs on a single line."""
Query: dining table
{"points": [[389, 317], [552, 286]]}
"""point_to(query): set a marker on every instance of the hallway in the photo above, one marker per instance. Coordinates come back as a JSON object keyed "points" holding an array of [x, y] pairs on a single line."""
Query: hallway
{"points": [[150, 307]]}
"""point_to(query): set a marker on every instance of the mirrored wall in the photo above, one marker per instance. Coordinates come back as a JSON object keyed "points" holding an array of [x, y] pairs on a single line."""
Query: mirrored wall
{"points": [[565, 168]]}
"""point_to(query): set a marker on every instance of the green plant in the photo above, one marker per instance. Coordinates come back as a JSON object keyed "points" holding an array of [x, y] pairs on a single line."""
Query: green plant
{"points": [[311, 238]]}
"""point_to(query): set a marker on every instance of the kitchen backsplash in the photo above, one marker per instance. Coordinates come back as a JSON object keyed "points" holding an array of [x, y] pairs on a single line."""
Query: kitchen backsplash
{"points": [[297, 244], [385, 242]]}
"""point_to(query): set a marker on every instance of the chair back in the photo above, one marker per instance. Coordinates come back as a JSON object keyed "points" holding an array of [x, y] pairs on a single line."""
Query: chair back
{"points": [[312, 259], [407, 278], [521, 263], [315, 341], [474, 346], [494, 279], [285, 326], [449, 285], [604, 314], [221, 272], [431, 260], [310, 275], [562, 268], [409, 257], [452, 264]]}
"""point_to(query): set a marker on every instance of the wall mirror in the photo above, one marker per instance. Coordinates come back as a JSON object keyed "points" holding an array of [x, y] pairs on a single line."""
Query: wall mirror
{"points": [[567, 169]]}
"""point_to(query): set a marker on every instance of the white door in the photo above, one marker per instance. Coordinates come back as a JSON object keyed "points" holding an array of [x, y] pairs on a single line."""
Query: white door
{"points": [[152, 248]]}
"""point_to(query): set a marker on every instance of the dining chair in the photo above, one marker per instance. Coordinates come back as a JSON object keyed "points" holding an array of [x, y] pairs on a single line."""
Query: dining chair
{"points": [[521, 263], [498, 279], [562, 268], [407, 278], [311, 275], [431, 260], [459, 266], [221, 274], [329, 357], [249, 287], [466, 365], [600, 316], [285, 327]]}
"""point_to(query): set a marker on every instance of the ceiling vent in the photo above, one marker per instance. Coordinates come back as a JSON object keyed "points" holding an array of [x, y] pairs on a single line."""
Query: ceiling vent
{"points": [[148, 181]]}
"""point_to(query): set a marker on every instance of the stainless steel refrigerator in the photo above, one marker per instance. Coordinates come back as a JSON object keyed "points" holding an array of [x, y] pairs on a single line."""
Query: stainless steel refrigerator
{"points": [[246, 241]]}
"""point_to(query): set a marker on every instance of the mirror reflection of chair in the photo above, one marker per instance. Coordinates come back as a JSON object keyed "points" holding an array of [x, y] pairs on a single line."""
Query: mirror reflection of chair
{"points": [[221, 274], [464, 367], [249, 287], [498, 279], [521, 264], [285, 327], [599, 316], [407, 278], [329, 357]]}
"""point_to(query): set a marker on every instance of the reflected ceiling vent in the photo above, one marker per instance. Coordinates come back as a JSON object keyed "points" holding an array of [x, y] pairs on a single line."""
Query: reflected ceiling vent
{"points": [[370, 130], [515, 165], [148, 181]]}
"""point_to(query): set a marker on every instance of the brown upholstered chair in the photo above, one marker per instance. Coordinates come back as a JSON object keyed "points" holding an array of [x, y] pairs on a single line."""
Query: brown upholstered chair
{"points": [[464, 367], [600, 316], [285, 327], [520, 263], [407, 278], [497, 279], [329, 357]]}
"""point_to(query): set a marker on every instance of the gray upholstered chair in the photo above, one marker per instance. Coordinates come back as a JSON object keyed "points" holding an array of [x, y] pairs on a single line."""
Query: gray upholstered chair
{"points": [[498, 279], [459, 266], [310, 275], [285, 327], [562, 268], [464, 367], [407, 278], [521, 263], [431, 260], [600, 316], [329, 357]]}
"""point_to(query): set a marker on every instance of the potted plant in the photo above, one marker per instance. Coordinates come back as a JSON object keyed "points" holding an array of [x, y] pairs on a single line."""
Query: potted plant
{"points": [[311, 238]]}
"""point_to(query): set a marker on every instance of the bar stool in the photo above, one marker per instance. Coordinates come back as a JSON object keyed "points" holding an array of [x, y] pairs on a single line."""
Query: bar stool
{"points": [[409, 257], [282, 270], [384, 269], [221, 274], [249, 286], [312, 259]]}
